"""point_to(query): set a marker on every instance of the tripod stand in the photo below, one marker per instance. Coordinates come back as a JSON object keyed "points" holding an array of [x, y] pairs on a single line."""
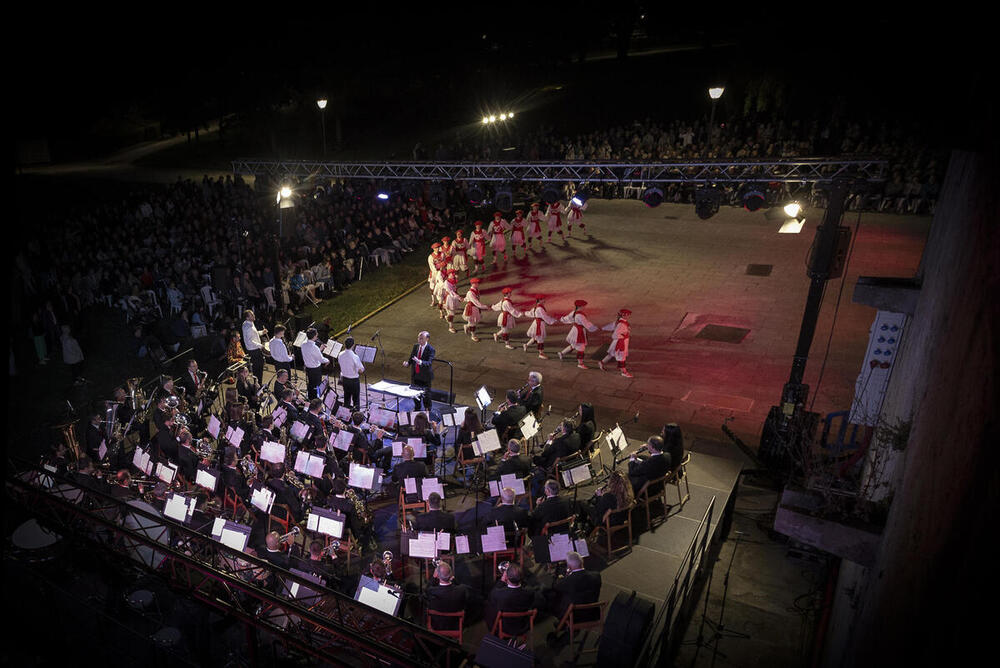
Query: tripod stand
{"points": [[718, 629]]}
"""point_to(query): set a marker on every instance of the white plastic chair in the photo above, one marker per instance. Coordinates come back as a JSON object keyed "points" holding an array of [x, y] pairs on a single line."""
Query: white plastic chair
{"points": [[211, 301], [269, 295]]}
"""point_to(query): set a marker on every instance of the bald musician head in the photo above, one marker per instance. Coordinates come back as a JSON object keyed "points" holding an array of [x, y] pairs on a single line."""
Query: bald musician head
{"points": [[507, 496], [443, 573]]}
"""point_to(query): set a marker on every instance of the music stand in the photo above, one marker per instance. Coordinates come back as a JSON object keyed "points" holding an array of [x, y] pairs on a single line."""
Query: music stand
{"points": [[377, 595]]}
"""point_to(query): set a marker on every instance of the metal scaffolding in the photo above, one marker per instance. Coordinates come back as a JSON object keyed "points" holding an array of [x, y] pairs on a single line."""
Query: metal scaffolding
{"points": [[808, 170]]}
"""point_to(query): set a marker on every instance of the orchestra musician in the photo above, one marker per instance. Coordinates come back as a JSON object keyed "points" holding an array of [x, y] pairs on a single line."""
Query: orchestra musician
{"points": [[510, 595], [469, 430], [235, 353], [446, 596], [187, 455], [191, 381], [506, 422], [656, 465], [586, 427], [251, 340], [564, 443], [427, 431], [410, 468], [278, 349], [421, 363], [350, 374], [248, 388], [513, 462], [434, 519], [616, 493], [506, 513], [286, 402], [314, 362], [578, 587], [231, 476], [94, 435], [550, 508], [315, 562], [313, 420], [531, 395], [673, 444]]}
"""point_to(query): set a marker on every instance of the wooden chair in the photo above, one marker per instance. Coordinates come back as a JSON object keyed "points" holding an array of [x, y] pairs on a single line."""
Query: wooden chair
{"points": [[679, 475], [404, 506], [282, 516], [529, 615], [429, 564], [611, 529], [645, 499], [553, 527], [443, 618], [516, 553], [587, 624], [466, 464], [348, 547]]}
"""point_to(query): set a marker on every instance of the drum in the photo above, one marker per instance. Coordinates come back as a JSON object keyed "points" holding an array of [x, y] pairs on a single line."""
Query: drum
{"points": [[34, 544]]}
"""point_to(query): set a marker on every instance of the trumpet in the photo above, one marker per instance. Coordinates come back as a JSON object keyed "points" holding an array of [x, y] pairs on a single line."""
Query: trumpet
{"points": [[331, 548], [502, 567], [289, 536]]}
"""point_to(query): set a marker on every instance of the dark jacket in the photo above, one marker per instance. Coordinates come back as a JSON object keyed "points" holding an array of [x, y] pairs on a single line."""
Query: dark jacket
{"points": [[422, 373], [577, 588], [551, 509], [435, 520]]}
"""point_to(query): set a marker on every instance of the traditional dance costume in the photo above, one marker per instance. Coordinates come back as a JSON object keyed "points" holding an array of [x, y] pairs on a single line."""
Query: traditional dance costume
{"points": [[621, 331], [452, 300], [517, 233], [432, 261], [506, 319], [575, 215], [498, 241], [473, 308], [577, 337], [536, 330], [554, 216], [478, 239], [460, 247], [535, 224]]}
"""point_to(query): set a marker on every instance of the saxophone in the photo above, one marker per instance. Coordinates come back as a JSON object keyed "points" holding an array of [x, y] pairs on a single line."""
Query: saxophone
{"points": [[364, 515]]}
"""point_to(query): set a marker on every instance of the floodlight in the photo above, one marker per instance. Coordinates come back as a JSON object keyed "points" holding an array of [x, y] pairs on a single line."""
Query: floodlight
{"points": [[716, 92], [706, 201], [652, 196], [321, 103], [382, 195], [793, 209], [486, 120], [753, 197]]}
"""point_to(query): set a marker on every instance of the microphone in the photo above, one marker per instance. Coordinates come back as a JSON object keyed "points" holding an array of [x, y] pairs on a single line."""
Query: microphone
{"points": [[375, 334]]}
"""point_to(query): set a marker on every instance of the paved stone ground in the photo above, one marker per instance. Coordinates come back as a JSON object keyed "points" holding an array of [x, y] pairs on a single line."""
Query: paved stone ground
{"points": [[677, 273]]}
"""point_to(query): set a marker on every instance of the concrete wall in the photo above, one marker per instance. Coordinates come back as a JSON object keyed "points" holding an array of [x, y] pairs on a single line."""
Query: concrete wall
{"points": [[930, 591]]}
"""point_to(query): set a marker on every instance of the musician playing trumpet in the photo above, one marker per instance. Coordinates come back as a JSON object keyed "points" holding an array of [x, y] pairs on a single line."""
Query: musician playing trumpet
{"points": [[506, 422]]}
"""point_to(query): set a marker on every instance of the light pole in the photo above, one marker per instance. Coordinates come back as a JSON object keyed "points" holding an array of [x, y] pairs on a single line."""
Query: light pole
{"points": [[284, 201], [714, 93], [321, 103]]}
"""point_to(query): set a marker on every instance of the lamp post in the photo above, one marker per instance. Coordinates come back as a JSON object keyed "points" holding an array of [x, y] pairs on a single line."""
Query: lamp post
{"points": [[284, 201], [321, 103], [715, 93]]}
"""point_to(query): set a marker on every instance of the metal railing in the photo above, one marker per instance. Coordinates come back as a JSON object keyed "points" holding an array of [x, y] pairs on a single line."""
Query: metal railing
{"points": [[662, 639], [326, 625], [805, 170]]}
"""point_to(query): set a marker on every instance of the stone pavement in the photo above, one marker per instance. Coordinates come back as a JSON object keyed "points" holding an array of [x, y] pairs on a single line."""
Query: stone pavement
{"points": [[677, 274]]}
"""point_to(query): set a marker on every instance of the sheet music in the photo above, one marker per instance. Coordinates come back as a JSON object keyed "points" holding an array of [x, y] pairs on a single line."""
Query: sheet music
{"points": [[217, 526], [488, 441], [342, 440], [300, 338], [576, 475], [443, 541], [429, 486], [272, 452], [419, 447], [322, 388], [529, 426], [460, 415], [461, 544], [330, 400], [102, 450], [410, 485], [299, 430], [382, 417], [494, 540], [559, 545], [377, 596], [424, 546], [176, 508], [616, 440], [483, 398], [511, 480], [315, 466], [581, 547], [332, 348], [234, 539], [166, 472], [214, 426], [397, 449], [262, 498], [138, 456], [206, 479], [279, 415], [404, 418], [361, 477], [344, 413], [494, 487]]}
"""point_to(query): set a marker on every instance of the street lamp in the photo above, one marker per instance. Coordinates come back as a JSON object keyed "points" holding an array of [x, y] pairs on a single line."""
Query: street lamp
{"points": [[715, 93], [321, 103]]}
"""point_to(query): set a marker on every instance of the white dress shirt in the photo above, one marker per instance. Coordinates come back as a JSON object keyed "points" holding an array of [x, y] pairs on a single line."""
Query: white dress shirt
{"points": [[278, 350], [311, 356], [350, 364], [251, 337]]}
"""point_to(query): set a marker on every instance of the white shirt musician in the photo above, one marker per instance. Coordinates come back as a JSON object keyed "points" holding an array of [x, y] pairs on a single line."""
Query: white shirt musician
{"points": [[278, 349], [253, 346], [313, 360]]}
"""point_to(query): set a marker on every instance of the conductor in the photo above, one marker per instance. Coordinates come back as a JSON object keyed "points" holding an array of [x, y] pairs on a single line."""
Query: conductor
{"points": [[421, 366]]}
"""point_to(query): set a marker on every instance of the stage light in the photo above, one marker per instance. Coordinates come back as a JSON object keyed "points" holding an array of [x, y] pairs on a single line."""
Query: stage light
{"points": [[437, 196], [716, 93], [382, 196], [503, 117], [510, 115], [504, 198], [753, 197], [550, 194], [286, 192], [486, 120], [791, 216], [475, 194], [706, 201], [321, 103], [652, 196], [792, 209], [580, 197], [493, 119]]}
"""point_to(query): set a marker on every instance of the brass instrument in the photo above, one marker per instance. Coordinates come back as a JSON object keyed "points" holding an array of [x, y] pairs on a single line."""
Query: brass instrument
{"points": [[331, 548], [292, 479], [68, 432], [502, 567], [290, 535], [364, 515], [249, 468]]}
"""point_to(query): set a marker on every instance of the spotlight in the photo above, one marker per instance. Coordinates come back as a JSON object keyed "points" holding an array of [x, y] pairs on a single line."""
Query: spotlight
{"points": [[510, 115], [752, 196], [286, 192], [437, 196], [652, 196], [504, 198], [792, 209], [486, 120], [706, 201], [382, 195], [475, 193], [550, 194], [791, 216], [503, 117], [580, 197], [493, 119]]}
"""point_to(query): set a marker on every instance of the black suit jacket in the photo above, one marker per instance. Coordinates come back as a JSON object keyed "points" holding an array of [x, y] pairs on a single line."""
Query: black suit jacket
{"points": [[435, 520], [511, 599], [508, 516], [533, 400], [422, 373], [93, 435], [560, 448], [577, 588], [506, 422], [448, 598], [232, 477], [520, 466], [187, 382], [643, 470], [550, 510]]}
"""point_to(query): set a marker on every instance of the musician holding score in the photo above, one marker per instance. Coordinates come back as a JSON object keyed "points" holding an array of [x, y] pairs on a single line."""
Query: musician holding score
{"points": [[252, 344], [421, 363], [351, 369], [314, 361], [279, 351]]}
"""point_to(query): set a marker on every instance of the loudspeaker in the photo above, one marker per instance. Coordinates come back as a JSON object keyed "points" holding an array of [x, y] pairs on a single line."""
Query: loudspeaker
{"points": [[222, 279], [496, 653], [625, 629]]}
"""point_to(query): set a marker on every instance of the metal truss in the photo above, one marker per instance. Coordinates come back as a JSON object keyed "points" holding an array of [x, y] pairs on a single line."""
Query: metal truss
{"points": [[320, 622], [808, 170]]}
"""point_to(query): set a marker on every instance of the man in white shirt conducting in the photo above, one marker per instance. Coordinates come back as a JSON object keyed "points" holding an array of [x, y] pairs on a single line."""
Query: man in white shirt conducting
{"points": [[350, 372]]}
